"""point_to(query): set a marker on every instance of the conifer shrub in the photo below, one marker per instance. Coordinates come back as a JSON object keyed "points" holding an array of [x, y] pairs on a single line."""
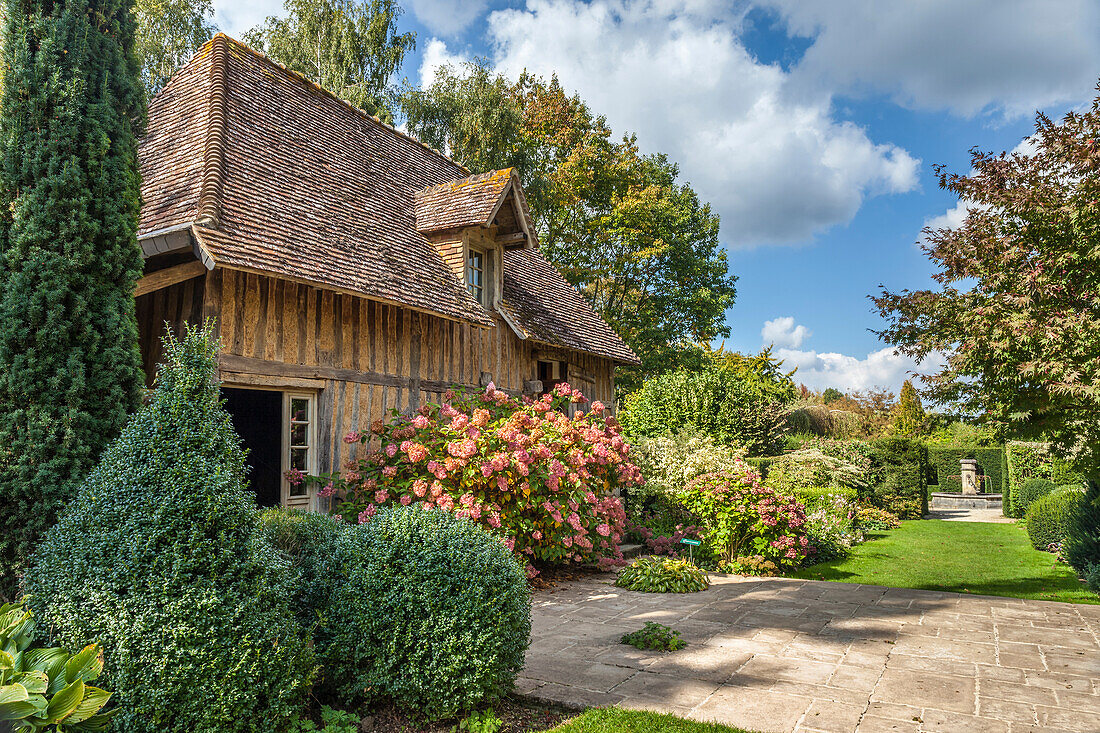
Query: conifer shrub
{"points": [[426, 609], [1049, 517], [1028, 492], [158, 558], [70, 371], [1082, 545]]}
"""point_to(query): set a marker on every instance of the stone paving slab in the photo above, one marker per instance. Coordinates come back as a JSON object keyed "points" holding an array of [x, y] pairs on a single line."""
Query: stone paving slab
{"points": [[804, 656]]}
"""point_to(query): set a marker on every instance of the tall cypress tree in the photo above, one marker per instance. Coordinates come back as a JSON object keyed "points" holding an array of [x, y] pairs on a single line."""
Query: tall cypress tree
{"points": [[70, 369]]}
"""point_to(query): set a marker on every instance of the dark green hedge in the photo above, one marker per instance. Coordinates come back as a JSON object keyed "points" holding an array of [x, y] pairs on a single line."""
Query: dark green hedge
{"points": [[1033, 460], [945, 467], [159, 559], [903, 468]]}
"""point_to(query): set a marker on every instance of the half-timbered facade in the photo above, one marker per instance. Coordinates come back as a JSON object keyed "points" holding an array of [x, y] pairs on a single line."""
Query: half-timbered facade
{"points": [[349, 269]]}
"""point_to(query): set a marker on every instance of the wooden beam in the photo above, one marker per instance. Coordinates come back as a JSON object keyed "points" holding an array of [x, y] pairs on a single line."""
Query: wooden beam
{"points": [[169, 276], [248, 370], [511, 238]]}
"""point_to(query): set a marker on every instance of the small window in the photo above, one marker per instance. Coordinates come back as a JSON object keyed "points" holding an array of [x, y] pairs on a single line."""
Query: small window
{"points": [[300, 427], [475, 275]]}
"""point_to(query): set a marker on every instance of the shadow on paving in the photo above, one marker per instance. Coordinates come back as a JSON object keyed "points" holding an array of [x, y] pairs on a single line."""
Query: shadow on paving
{"points": [[789, 654]]}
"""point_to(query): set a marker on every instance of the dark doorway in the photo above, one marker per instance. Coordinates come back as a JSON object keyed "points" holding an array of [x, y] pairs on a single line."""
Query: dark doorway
{"points": [[258, 418]]}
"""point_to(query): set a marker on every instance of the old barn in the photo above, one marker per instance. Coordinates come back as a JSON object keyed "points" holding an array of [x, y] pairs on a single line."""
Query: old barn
{"points": [[350, 269]]}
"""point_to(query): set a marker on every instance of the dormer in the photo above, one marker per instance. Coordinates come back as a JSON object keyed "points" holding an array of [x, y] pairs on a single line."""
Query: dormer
{"points": [[472, 222]]}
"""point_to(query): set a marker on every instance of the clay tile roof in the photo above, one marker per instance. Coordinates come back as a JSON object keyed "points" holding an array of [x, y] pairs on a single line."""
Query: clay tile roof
{"points": [[469, 201], [278, 176], [544, 307], [288, 180]]}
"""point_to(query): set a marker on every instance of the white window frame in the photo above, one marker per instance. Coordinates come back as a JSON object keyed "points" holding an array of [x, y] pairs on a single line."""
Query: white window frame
{"points": [[304, 500]]}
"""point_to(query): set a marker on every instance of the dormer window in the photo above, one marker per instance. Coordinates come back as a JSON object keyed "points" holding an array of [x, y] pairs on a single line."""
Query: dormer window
{"points": [[475, 274]]}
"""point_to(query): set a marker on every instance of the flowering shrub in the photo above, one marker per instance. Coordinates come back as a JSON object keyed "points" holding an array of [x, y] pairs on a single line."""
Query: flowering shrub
{"points": [[872, 519], [658, 543], [744, 518], [832, 532], [669, 462], [523, 470]]}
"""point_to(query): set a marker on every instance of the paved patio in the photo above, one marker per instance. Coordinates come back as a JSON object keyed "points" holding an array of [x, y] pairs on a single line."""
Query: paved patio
{"points": [[774, 654]]}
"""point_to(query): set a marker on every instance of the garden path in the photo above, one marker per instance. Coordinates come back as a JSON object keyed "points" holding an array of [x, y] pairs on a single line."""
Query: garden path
{"points": [[968, 514], [777, 654]]}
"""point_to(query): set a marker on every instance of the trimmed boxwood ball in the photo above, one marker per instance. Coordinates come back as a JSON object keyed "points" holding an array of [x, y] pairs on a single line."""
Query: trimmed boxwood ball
{"points": [[1049, 517], [158, 558], [306, 541], [427, 609], [1029, 491]]}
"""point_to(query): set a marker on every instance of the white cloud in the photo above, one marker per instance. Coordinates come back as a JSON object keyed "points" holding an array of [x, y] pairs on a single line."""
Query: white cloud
{"points": [[1008, 57], [777, 166], [447, 17], [954, 217], [237, 16], [950, 219], [782, 332], [882, 368], [436, 55]]}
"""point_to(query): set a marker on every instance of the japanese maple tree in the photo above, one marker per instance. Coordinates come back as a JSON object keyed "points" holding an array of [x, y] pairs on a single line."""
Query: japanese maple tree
{"points": [[1017, 311]]}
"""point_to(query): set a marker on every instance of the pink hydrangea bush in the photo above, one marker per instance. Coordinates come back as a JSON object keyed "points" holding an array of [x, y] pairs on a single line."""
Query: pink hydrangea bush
{"points": [[748, 525], [523, 469]]}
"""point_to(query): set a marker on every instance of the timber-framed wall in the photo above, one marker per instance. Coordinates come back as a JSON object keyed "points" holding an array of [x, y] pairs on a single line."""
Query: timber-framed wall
{"points": [[361, 357]]}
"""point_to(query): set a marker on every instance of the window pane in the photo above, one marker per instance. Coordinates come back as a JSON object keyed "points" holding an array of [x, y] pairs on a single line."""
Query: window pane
{"points": [[299, 409], [299, 434], [299, 459]]}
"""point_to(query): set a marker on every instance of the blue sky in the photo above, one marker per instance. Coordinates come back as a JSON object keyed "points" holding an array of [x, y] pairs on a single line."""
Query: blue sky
{"points": [[811, 127]]}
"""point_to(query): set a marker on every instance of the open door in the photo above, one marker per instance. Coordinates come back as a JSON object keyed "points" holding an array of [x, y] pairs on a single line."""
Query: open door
{"points": [[258, 418]]}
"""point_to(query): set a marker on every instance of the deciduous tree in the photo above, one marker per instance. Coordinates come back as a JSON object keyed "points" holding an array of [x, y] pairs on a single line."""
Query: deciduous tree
{"points": [[1017, 311], [70, 370], [637, 242], [350, 47], [169, 32]]}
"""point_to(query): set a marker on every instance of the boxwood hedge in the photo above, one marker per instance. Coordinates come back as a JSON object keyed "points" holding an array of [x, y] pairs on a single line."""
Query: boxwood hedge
{"points": [[416, 606], [158, 559]]}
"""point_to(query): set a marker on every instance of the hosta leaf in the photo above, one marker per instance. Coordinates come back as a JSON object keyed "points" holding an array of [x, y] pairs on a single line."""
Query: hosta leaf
{"points": [[14, 693], [44, 660], [36, 682], [65, 702], [7, 661], [94, 699], [94, 724], [85, 665], [16, 710]]}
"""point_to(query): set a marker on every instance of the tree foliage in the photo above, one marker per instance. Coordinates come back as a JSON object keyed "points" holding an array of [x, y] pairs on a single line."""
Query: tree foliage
{"points": [[908, 420], [1017, 311], [350, 47], [169, 32], [638, 243], [70, 370]]}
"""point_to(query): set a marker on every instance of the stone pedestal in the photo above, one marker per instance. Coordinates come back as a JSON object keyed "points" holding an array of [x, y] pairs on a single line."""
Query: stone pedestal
{"points": [[969, 475]]}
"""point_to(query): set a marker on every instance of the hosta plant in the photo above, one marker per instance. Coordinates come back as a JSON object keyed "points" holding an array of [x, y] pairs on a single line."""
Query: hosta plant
{"points": [[655, 636], [662, 575], [525, 471], [47, 689]]}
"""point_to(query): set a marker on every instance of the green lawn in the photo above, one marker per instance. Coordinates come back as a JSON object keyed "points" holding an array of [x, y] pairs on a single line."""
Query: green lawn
{"points": [[615, 720], [965, 557]]}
